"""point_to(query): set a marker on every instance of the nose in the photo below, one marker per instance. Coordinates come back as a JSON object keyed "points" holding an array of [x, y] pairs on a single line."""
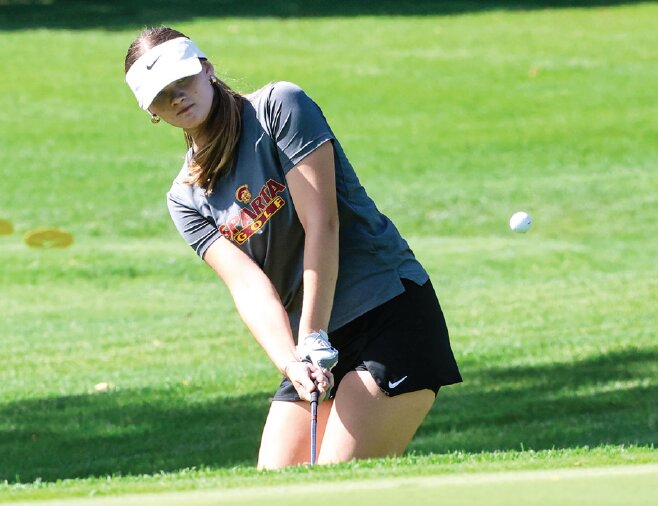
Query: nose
{"points": [[177, 94]]}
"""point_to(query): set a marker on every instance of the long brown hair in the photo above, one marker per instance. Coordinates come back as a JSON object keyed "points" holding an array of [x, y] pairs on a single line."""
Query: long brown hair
{"points": [[222, 126]]}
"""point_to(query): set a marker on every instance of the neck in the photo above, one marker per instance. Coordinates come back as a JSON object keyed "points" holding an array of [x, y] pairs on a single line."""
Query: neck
{"points": [[197, 140]]}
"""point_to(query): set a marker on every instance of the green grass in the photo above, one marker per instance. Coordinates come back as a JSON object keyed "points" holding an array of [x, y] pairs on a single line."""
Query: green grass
{"points": [[453, 122], [615, 485], [453, 466]]}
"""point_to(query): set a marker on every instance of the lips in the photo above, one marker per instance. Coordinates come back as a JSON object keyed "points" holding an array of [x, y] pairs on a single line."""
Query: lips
{"points": [[184, 110]]}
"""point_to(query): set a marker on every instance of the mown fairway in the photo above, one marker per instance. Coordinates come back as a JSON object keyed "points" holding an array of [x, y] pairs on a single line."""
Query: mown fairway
{"points": [[455, 116], [627, 485]]}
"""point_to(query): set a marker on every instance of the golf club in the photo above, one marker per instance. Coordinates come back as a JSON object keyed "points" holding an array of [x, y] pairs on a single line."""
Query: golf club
{"points": [[317, 350], [314, 425], [314, 420]]}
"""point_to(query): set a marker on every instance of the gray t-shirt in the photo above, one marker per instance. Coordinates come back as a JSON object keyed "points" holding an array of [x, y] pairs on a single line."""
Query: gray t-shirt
{"points": [[252, 207]]}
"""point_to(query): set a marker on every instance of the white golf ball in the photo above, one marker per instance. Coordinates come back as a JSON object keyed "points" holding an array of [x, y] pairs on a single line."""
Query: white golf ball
{"points": [[520, 222]]}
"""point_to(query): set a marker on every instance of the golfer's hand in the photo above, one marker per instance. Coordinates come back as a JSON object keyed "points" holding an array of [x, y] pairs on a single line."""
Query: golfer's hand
{"points": [[307, 378]]}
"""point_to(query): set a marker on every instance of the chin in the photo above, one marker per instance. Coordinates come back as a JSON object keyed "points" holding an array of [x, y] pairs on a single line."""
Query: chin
{"points": [[193, 122], [186, 123]]}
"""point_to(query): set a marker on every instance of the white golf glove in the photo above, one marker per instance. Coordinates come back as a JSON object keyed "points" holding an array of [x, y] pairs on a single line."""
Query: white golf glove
{"points": [[316, 348]]}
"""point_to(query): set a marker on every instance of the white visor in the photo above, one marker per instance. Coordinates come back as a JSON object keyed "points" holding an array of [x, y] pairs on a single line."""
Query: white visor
{"points": [[162, 65]]}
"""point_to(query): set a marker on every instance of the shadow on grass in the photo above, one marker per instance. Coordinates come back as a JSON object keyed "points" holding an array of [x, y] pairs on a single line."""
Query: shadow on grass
{"points": [[119, 14], [603, 400], [127, 432], [608, 399]]}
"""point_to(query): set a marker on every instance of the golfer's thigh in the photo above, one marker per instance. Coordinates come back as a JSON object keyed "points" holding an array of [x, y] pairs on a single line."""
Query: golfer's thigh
{"points": [[366, 423], [286, 439]]}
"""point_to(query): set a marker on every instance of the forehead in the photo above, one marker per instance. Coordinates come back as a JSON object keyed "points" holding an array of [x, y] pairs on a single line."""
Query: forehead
{"points": [[182, 83]]}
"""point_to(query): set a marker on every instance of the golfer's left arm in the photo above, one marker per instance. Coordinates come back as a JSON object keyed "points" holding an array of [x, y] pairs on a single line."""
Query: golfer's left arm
{"points": [[312, 184]]}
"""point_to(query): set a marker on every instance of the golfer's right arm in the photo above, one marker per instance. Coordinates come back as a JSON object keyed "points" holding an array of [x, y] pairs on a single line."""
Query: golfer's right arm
{"points": [[260, 308]]}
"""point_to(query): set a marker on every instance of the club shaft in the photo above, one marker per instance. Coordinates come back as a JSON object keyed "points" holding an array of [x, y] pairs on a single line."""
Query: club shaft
{"points": [[314, 426]]}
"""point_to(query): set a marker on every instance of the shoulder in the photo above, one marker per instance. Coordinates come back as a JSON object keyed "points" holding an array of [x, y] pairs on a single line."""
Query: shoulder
{"points": [[284, 88], [184, 171], [277, 93], [180, 189]]}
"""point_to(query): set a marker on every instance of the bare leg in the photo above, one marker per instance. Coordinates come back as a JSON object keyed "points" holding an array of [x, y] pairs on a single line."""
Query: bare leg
{"points": [[366, 423], [286, 439]]}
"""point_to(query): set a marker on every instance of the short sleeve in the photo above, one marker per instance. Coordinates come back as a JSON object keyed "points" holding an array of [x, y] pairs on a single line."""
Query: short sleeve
{"points": [[296, 123], [197, 230]]}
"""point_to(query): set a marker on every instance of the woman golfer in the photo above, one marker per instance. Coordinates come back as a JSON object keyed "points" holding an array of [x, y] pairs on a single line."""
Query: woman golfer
{"points": [[267, 197]]}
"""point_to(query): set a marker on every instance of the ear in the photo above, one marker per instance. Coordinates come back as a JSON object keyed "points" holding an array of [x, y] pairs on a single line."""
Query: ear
{"points": [[208, 68]]}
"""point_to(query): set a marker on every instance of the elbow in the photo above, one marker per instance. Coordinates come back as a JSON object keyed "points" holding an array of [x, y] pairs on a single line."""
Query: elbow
{"points": [[330, 226], [323, 229], [333, 224]]}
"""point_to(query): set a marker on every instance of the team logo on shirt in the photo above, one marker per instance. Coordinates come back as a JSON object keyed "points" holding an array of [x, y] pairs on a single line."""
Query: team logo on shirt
{"points": [[253, 217], [242, 194]]}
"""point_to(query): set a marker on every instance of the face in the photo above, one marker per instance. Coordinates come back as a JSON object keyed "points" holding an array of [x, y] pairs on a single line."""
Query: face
{"points": [[186, 103]]}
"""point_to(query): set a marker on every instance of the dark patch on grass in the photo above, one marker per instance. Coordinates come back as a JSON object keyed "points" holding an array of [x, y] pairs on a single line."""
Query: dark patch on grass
{"points": [[605, 399], [121, 14], [127, 433]]}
